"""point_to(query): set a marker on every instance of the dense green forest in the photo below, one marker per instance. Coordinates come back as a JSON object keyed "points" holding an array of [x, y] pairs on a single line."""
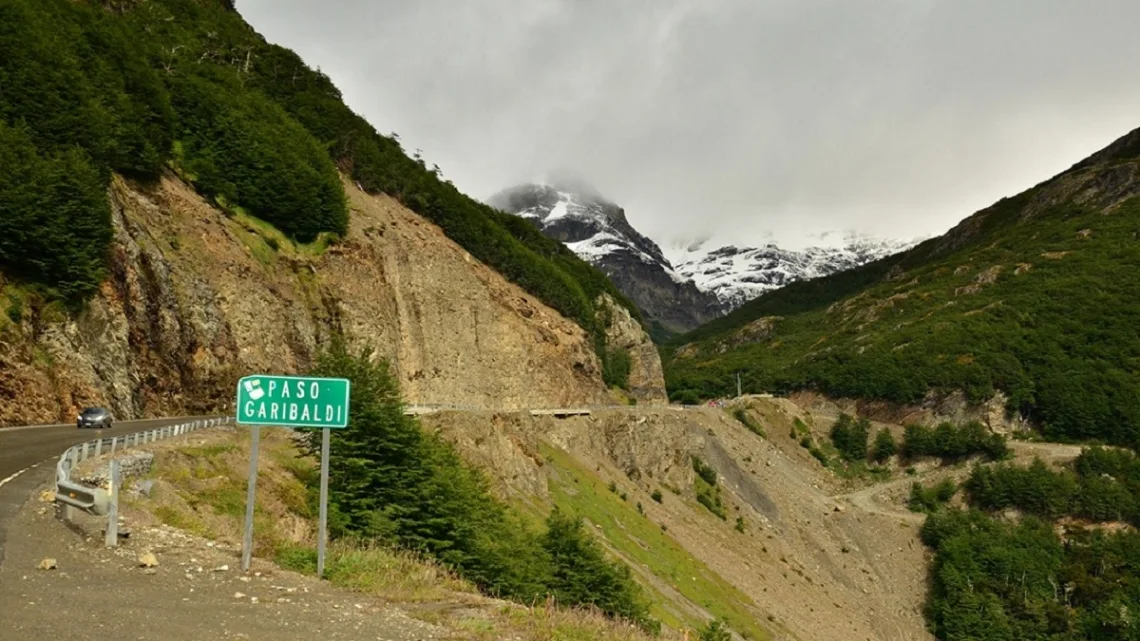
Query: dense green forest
{"points": [[1044, 575], [390, 482], [90, 88], [1034, 297]]}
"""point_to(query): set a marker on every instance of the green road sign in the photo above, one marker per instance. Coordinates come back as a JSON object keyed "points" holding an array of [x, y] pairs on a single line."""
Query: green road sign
{"points": [[293, 401]]}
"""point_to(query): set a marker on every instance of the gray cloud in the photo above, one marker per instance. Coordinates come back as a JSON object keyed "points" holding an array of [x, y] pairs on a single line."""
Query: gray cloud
{"points": [[738, 118]]}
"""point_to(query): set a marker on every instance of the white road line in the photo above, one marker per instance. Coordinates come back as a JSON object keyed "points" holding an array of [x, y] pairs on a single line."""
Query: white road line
{"points": [[4, 482]]}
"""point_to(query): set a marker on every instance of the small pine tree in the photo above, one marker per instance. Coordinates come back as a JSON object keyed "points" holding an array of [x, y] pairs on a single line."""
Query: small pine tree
{"points": [[885, 446]]}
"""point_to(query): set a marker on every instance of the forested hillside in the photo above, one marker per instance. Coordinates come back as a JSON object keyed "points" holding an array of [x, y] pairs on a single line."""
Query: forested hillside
{"points": [[1034, 297], [91, 88]]}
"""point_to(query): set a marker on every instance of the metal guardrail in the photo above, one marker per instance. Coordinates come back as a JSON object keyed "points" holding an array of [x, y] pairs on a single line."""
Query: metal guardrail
{"points": [[97, 500]]}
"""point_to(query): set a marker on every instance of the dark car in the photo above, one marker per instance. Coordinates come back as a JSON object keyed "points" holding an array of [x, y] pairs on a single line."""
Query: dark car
{"points": [[94, 417]]}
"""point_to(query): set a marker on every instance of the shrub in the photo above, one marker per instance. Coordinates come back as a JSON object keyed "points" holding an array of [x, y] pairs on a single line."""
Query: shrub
{"points": [[746, 420], [850, 438], [616, 368], [884, 447], [583, 576], [949, 442], [931, 499], [715, 630], [656, 496], [705, 471]]}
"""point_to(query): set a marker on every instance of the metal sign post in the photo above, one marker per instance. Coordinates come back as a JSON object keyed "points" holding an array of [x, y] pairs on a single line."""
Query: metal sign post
{"points": [[291, 401]]}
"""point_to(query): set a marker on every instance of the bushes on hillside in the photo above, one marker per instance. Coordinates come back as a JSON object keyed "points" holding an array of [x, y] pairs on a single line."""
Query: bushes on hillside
{"points": [[55, 221], [1103, 485], [77, 101], [931, 499], [241, 148], [389, 481], [950, 442], [581, 574], [850, 437], [995, 580], [884, 447]]}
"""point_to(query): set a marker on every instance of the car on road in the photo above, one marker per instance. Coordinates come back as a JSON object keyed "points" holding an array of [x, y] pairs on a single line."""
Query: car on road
{"points": [[94, 417]]}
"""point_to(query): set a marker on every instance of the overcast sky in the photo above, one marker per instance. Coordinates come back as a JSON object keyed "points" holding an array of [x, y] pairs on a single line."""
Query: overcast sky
{"points": [[738, 118]]}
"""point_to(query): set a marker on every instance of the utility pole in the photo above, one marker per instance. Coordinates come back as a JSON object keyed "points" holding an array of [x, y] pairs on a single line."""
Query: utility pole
{"points": [[738, 394]]}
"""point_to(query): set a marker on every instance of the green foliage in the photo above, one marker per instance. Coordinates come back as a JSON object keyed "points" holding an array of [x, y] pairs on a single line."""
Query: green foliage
{"points": [[740, 524], [583, 576], [998, 580], [242, 148], [704, 470], [819, 455], [1030, 299], [716, 630], [1102, 485], [949, 442], [850, 438], [884, 447], [928, 500], [709, 496], [55, 221], [656, 496], [616, 367], [742, 415]]}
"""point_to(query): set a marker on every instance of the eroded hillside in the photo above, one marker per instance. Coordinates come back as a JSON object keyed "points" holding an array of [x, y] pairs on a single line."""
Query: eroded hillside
{"points": [[197, 298], [810, 563]]}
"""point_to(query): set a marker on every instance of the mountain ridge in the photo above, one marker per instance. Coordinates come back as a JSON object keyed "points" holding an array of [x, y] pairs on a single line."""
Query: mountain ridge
{"points": [[682, 285], [1029, 299]]}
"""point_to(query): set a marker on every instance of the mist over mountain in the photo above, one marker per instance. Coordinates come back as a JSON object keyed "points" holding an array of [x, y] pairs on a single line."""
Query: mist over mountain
{"points": [[683, 284]]}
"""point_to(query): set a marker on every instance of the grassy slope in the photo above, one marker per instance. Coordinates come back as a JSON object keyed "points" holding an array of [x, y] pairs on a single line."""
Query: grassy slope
{"points": [[643, 542], [1034, 296]]}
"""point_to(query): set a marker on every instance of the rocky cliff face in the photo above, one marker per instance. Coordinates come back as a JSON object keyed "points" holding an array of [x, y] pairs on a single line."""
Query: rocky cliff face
{"points": [[197, 299], [646, 376], [597, 230]]}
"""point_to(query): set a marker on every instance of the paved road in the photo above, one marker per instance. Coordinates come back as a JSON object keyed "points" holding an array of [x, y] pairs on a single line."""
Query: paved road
{"points": [[22, 448]]}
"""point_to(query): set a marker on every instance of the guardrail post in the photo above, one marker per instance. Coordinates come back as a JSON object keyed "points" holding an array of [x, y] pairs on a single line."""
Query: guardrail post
{"points": [[112, 538], [84, 456], [99, 447]]}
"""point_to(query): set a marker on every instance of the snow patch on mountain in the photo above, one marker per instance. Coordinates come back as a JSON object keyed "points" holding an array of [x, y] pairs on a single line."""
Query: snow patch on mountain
{"points": [[727, 275], [739, 274]]}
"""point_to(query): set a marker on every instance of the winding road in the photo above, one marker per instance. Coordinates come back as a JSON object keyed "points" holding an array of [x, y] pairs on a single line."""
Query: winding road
{"points": [[28, 455]]}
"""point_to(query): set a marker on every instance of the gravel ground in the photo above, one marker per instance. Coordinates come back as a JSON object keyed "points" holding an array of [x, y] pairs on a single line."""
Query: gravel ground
{"points": [[195, 592]]}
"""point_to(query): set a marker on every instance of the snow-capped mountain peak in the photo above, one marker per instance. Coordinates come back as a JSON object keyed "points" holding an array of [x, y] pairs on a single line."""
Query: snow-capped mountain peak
{"points": [[691, 282], [739, 274]]}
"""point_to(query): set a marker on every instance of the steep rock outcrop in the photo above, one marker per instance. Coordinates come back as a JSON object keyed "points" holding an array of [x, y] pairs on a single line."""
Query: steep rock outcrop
{"points": [[196, 299], [646, 376]]}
